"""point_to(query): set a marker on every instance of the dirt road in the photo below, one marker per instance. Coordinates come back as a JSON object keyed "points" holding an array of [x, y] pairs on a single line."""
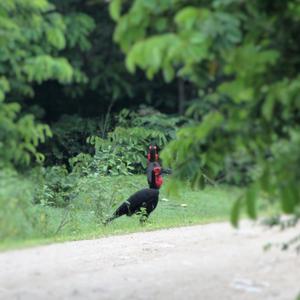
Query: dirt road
{"points": [[200, 262]]}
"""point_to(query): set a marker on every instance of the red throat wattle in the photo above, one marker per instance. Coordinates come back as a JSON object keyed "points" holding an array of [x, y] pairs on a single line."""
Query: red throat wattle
{"points": [[158, 177], [158, 181]]}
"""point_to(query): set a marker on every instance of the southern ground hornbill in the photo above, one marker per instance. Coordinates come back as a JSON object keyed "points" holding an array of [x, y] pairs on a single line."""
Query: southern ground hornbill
{"points": [[152, 162], [143, 201]]}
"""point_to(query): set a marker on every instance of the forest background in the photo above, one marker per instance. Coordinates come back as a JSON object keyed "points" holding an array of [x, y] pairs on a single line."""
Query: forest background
{"points": [[85, 86]]}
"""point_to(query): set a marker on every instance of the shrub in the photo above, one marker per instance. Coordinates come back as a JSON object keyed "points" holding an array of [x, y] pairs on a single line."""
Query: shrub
{"points": [[69, 137], [149, 118], [239, 169], [20, 136], [55, 186], [124, 151], [19, 218], [96, 195], [31, 210]]}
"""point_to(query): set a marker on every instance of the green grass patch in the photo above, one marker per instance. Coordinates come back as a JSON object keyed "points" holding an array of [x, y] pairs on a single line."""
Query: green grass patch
{"points": [[81, 219]]}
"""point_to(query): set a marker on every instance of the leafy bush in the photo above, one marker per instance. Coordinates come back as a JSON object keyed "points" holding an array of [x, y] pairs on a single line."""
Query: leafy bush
{"points": [[69, 137], [149, 118], [56, 186], [30, 43], [124, 151], [19, 218], [34, 209], [238, 169], [215, 45], [81, 164], [95, 194], [19, 136], [85, 145]]}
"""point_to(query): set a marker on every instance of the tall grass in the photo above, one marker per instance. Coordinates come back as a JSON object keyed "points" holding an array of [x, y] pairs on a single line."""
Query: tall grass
{"points": [[93, 199]]}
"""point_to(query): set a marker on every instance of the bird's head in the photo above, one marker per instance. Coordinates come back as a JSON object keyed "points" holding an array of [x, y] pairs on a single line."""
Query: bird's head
{"points": [[152, 153]]}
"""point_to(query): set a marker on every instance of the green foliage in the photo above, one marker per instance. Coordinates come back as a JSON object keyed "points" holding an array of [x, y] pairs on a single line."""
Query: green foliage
{"points": [[33, 210], [19, 136], [78, 27], [32, 38], [19, 218], [115, 9], [56, 186], [197, 30], [99, 73], [119, 152], [44, 67], [239, 169], [244, 54], [69, 137], [30, 41], [94, 197], [124, 151], [95, 194], [86, 146], [81, 164], [147, 117]]}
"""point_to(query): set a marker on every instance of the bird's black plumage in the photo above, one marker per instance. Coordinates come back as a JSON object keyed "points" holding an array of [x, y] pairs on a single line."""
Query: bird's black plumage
{"points": [[144, 201]]}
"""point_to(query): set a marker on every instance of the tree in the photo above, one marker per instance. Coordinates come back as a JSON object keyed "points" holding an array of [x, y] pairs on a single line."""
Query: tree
{"points": [[243, 58], [32, 37], [99, 65]]}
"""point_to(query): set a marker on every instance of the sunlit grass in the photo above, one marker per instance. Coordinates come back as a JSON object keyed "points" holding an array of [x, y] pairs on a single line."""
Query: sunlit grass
{"points": [[188, 207]]}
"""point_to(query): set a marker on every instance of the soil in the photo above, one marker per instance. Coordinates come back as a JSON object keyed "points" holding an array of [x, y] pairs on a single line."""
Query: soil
{"points": [[212, 261]]}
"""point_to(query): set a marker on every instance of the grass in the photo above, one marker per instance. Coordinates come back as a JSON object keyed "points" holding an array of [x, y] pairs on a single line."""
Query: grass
{"points": [[188, 207]]}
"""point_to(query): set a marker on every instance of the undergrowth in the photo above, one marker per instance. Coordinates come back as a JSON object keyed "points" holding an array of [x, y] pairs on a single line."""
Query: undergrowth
{"points": [[94, 198]]}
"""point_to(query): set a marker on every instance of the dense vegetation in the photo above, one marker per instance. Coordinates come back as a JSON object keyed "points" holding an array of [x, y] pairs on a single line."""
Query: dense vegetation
{"points": [[85, 86], [243, 58]]}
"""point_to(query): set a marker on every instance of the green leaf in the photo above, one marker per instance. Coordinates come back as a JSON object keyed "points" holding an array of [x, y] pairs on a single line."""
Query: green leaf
{"points": [[56, 38], [235, 212], [288, 199], [267, 108], [210, 122], [161, 24], [237, 90], [187, 17], [168, 73], [251, 196], [115, 9]]}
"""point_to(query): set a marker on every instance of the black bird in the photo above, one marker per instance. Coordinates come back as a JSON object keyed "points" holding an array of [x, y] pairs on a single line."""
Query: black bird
{"points": [[143, 201], [152, 162], [152, 155]]}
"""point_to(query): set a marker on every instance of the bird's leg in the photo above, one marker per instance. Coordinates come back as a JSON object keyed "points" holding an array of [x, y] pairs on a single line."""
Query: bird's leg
{"points": [[143, 219], [143, 216]]}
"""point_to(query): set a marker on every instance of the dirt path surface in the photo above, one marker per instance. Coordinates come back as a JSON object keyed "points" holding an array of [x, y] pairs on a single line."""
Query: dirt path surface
{"points": [[200, 262]]}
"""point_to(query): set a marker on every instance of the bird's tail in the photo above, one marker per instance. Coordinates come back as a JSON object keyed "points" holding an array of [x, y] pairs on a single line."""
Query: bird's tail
{"points": [[123, 209], [109, 220]]}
